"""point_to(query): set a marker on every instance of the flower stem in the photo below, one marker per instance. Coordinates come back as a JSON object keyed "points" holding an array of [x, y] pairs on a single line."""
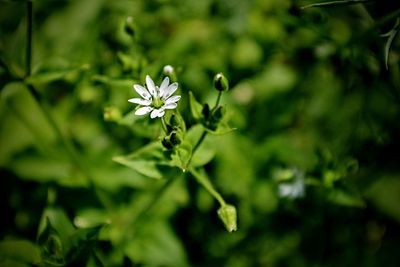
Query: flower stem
{"points": [[28, 59], [205, 182], [218, 100], [164, 125]]}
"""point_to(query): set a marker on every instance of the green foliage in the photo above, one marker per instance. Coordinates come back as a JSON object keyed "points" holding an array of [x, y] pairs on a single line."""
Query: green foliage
{"points": [[298, 160]]}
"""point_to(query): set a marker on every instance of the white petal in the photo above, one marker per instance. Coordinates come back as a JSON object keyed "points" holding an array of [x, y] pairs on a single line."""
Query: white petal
{"points": [[170, 90], [143, 102], [142, 91], [170, 106], [172, 99], [155, 113], [164, 86], [161, 113], [150, 86], [143, 110]]}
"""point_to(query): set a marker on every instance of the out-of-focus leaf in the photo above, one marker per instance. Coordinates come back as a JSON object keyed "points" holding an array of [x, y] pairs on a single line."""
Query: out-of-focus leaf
{"points": [[344, 198], [53, 75], [391, 35], [337, 3], [19, 99], [195, 107], [385, 194], [157, 245], [144, 160], [20, 252]]}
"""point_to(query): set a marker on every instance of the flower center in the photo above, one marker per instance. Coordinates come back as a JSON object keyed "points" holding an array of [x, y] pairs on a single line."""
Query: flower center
{"points": [[158, 102]]}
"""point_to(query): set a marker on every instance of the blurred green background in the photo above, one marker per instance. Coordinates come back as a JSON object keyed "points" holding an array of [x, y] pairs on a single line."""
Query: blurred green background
{"points": [[313, 167]]}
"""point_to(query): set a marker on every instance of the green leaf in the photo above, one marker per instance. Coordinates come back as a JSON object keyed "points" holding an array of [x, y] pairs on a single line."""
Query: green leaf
{"points": [[181, 156], [222, 128], [346, 198], [391, 35], [43, 77], [145, 160], [337, 3], [195, 107], [19, 251]]}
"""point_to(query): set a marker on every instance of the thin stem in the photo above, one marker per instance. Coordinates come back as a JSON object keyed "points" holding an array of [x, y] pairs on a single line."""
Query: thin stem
{"points": [[164, 125], [29, 38], [205, 182], [218, 100], [201, 139]]}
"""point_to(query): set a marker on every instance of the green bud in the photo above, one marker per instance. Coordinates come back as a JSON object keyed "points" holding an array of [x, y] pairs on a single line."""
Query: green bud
{"points": [[166, 142], [112, 114], [175, 138], [228, 215], [130, 26], [218, 113], [220, 82], [206, 111], [173, 121]]}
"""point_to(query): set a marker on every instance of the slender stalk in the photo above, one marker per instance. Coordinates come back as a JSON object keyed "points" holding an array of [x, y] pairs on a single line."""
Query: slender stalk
{"points": [[67, 144], [218, 100], [205, 182], [28, 59], [164, 125]]}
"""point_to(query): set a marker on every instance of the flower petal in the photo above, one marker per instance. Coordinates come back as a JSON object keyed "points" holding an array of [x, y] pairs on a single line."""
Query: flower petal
{"points": [[170, 106], [139, 101], [172, 99], [143, 110], [155, 113], [142, 91], [170, 90], [161, 113], [163, 86], [150, 86]]}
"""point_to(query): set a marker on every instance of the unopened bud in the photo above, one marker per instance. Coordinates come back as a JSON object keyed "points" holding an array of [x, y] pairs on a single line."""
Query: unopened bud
{"points": [[166, 142], [206, 111], [175, 138], [173, 121], [112, 114], [168, 70], [130, 26], [218, 113], [228, 215], [220, 82]]}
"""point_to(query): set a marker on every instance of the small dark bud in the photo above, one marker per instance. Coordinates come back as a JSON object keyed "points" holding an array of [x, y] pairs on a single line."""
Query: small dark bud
{"points": [[221, 83], [175, 139], [130, 26], [173, 121], [206, 111], [218, 113], [166, 142]]}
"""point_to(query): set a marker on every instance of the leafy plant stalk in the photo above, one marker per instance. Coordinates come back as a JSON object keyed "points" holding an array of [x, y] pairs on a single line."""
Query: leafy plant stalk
{"points": [[69, 147]]}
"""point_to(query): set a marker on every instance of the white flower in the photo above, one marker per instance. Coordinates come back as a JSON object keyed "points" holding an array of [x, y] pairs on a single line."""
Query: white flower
{"points": [[155, 100]]}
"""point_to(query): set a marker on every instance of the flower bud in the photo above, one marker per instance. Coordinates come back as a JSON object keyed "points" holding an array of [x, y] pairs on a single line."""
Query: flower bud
{"points": [[175, 138], [168, 70], [218, 113], [173, 121], [130, 26], [166, 142], [206, 111], [112, 114], [227, 214], [220, 82]]}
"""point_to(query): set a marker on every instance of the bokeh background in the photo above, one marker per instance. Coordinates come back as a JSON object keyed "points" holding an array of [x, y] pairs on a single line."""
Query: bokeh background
{"points": [[313, 167]]}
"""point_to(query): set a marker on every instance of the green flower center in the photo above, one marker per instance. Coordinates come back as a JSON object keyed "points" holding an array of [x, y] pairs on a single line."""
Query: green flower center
{"points": [[158, 102]]}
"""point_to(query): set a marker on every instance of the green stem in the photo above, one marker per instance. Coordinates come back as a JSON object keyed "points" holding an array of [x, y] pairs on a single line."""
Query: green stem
{"points": [[218, 100], [29, 38], [205, 182], [164, 125]]}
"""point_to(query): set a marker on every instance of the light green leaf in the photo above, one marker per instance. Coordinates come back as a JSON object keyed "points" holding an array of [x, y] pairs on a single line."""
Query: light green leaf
{"points": [[19, 251], [195, 107], [145, 160], [337, 3]]}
